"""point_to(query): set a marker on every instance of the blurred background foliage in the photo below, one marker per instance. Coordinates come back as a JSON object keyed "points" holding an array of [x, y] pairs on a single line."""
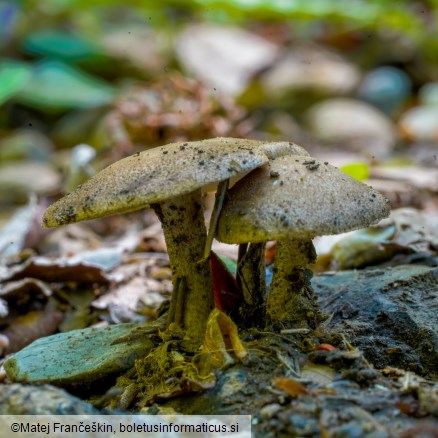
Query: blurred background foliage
{"points": [[119, 77]]}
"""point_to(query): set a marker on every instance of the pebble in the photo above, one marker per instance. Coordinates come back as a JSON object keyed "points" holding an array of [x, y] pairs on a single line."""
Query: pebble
{"points": [[420, 124], [387, 88], [356, 125], [269, 411], [18, 399], [310, 67]]}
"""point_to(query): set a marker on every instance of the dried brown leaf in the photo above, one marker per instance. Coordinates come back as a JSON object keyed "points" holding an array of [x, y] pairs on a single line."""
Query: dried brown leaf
{"points": [[222, 339], [27, 328], [292, 387], [50, 270]]}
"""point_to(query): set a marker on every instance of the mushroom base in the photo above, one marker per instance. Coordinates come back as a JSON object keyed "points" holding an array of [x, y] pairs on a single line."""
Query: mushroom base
{"points": [[182, 220], [291, 300]]}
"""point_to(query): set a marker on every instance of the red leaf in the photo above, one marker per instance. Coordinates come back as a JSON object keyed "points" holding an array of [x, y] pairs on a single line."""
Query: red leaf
{"points": [[325, 347], [226, 292]]}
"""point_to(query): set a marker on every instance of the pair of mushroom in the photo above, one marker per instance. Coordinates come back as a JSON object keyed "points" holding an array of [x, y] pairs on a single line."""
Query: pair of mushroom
{"points": [[169, 179], [289, 197]]}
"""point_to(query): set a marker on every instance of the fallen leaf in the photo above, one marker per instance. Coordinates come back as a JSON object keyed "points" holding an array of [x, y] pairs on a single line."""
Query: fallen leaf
{"points": [[418, 176], [55, 270], [226, 292], [127, 299], [13, 234], [222, 339], [27, 328], [26, 286], [325, 347], [292, 387], [321, 374], [223, 56], [406, 230]]}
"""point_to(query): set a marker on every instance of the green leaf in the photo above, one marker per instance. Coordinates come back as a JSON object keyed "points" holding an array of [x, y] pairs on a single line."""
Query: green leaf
{"points": [[54, 43], [359, 171], [55, 86], [13, 77]]}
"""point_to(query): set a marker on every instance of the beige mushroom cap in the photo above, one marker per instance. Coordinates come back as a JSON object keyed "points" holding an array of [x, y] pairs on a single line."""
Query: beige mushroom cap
{"points": [[162, 173], [297, 196]]}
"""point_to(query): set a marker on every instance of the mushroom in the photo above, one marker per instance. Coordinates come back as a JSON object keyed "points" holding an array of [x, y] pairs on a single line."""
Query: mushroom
{"points": [[169, 179], [292, 200]]}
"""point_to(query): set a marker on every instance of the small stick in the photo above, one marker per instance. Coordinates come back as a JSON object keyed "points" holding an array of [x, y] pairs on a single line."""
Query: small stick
{"points": [[286, 363], [219, 202], [295, 331]]}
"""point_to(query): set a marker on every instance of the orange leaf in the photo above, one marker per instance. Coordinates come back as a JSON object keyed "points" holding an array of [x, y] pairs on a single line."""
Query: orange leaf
{"points": [[325, 347], [270, 253], [290, 386], [222, 339]]}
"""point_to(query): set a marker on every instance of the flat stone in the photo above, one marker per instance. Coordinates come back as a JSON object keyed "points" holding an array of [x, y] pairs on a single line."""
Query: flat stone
{"points": [[19, 399], [390, 314], [80, 357]]}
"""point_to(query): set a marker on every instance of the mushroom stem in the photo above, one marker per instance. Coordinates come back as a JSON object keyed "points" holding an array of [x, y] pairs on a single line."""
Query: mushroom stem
{"points": [[291, 298], [182, 220]]}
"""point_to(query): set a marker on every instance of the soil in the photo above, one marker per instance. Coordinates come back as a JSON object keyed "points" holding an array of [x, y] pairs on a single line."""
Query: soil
{"points": [[368, 371]]}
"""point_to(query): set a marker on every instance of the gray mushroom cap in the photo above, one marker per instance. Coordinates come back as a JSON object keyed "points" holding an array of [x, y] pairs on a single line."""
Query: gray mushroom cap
{"points": [[297, 197], [161, 173]]}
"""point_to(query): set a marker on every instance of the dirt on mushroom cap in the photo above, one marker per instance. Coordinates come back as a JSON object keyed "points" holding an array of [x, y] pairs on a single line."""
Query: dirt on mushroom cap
{"points": [[297, 196], [161, 173]]}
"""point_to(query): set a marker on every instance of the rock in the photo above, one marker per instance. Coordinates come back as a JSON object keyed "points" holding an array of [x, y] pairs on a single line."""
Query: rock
{"points": [[80, 357], [224, 57], [428, 94], [386, 87], [347, 412], [310, 67], [357, 125], [391, 315], [25, 144], [18, 399], [129, 44], [19, 179], [269, 411], [420, 124]]}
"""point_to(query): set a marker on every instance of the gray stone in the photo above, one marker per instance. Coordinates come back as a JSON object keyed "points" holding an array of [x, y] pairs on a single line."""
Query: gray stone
{"points": [[390, 314], [80, 357], [18, 399], [356, 125]]}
